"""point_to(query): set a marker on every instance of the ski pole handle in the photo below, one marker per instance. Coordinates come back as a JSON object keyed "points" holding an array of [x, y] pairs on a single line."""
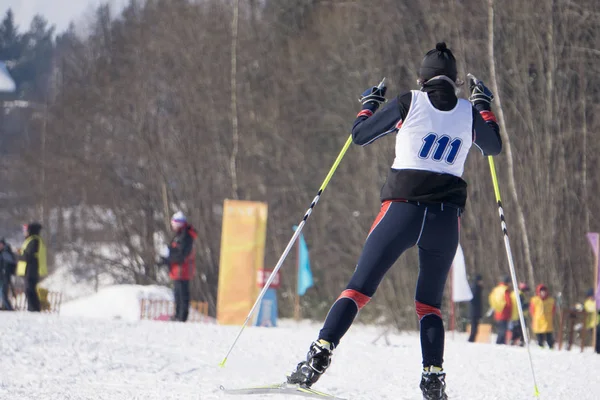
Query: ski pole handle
{"points": [[473, 78]]}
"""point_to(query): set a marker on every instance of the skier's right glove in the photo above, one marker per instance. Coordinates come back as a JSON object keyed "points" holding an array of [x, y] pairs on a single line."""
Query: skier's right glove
{"points": [[373, 97], [163, 261], [480, 94]]}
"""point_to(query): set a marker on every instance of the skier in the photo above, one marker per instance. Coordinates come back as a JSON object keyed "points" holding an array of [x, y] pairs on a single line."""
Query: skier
{"points": [[517, 337], [542, 308], [8, 267], [475, 306], [591, 318], [422, 200], [500, 302], [32, 264], [181, 262]]}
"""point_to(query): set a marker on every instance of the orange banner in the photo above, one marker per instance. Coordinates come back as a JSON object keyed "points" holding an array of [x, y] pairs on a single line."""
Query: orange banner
{"points": [[242, 256]]}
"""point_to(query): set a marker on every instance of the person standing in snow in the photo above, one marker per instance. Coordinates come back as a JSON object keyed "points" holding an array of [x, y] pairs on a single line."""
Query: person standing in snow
{"points": [[32, 264], [8, 265], [592, 319], [181, 261], [422, 201], [542, 308], [517, 337], [475, 306], [500, 302]]}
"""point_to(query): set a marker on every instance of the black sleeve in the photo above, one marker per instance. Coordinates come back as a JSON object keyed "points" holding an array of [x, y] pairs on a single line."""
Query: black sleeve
{"points": [[369, 127], [178, 254], [486, 132]]}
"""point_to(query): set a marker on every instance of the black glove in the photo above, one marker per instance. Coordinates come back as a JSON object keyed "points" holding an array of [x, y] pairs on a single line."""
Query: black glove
{"points": [[373, 97], [480, 94], [163, 261]]}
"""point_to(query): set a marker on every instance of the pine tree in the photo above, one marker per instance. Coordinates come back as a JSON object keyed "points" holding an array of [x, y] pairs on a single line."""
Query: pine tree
{"points": [[10, 40]]}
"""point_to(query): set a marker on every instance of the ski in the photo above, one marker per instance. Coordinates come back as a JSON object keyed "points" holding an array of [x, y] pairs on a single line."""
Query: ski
{"points": [[283, 388]]}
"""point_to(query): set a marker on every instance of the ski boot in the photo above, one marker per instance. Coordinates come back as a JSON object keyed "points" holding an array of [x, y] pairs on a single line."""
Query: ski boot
{"points": [[433, 384], [317, 360]]}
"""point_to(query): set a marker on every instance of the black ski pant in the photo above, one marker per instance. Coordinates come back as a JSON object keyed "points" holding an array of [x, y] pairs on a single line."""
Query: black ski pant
{"points": [[474, 328], [517, 334], [547, 337], [5, 287], [33, 300], [181, 291], [400, 225], [598, 339], [501, 329]]}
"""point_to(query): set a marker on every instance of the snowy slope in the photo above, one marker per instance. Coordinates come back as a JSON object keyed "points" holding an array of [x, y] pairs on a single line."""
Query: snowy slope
{"points": [[116, 302], [70, 285], [51, 357]]}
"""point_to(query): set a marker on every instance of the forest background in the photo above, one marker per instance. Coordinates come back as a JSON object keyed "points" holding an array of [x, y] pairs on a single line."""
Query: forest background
{"points": [[173, 104]]}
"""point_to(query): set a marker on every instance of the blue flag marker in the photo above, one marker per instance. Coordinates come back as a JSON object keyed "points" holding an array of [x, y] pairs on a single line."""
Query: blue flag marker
{"points": [[305, 277]]}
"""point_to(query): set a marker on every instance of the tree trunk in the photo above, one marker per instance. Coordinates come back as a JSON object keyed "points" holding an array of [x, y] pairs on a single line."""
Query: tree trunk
{"points": [[506, 143]]}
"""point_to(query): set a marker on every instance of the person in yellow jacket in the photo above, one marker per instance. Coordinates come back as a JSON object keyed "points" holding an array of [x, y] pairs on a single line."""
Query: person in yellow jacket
{"points": [[592, 319], [500, 301], [517, 337], [32, 264], [542, 309]]}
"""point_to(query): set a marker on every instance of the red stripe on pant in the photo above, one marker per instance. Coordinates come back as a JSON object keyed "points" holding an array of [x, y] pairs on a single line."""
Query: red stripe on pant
{"points": [[385, 206], [423, 310], [360, 299]]}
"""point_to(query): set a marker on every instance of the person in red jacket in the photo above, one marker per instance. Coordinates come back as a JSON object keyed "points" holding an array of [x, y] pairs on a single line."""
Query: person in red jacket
{"points": [[181, 262]]}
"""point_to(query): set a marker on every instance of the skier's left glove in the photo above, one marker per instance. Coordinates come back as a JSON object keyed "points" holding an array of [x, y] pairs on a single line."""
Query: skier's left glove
{"points": [[372, 98]]}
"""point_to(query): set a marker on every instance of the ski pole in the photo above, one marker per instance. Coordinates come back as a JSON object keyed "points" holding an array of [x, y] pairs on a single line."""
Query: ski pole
{"points": [[293, 239], [511, 264], [513, 274]]}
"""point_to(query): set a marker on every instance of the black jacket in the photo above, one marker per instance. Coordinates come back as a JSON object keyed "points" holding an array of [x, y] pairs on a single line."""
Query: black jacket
{"points": [[32, 272], [8, 264], [475, 305], [181, 245]]}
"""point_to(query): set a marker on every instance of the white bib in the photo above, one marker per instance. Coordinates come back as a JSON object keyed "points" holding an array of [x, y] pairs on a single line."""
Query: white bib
{"points": [[434, 140]]}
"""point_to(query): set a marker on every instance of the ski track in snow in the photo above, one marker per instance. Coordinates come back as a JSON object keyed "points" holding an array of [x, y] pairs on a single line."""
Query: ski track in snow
{"points": [[51, 357]]}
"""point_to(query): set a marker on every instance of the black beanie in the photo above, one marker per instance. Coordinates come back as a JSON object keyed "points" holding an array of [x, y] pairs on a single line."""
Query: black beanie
{"points": [[34, 228], [439, 61]]}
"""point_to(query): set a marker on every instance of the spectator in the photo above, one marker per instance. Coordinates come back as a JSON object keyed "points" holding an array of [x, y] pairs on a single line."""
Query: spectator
{"points": [[475, 306], [181, 262], [598, 338], [515, 322], [499, 299], [542, 308], [591, 318], [32, 264], [8, 266]]}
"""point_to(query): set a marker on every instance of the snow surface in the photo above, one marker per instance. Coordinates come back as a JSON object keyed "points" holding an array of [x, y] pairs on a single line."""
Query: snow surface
{"points": [[58, 357], [114, 355]]}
